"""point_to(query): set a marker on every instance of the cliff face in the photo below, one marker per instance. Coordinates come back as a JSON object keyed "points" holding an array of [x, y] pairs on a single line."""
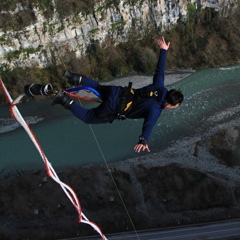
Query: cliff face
{"points": [[32, 34]]}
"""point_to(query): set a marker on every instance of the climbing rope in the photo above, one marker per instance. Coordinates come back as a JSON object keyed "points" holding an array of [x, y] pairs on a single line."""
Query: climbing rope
{"points": [[99, 147]]}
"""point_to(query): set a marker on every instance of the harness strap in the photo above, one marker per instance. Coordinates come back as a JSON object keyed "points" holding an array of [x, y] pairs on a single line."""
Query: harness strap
{"points": [[129, 97], [153, 94], [125, 101]]}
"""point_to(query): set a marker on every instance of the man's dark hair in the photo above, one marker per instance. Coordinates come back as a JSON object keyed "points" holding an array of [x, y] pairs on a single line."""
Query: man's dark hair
{"points": [[174, 97]]}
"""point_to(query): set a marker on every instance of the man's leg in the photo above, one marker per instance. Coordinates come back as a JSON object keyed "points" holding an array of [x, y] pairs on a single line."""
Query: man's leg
{"points": [[78, 79], [73, 78], [86, 115], [63, 99]]}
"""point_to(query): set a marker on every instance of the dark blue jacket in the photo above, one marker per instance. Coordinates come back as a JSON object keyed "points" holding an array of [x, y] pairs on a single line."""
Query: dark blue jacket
{"points": [[147, 108]]}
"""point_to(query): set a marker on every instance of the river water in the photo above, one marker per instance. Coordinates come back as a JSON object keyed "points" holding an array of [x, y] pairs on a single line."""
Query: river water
{"points": [[67, 142]]}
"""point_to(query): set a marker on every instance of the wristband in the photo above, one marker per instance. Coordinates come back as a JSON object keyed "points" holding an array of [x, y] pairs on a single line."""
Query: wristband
{"points": [[142, 141]]}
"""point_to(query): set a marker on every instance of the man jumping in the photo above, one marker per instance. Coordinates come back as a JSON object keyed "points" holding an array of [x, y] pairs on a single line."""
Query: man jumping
{"points": [[121, 102]]}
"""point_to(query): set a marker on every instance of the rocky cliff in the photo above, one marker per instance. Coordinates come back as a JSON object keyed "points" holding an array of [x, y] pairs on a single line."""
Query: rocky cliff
{"points": [[35, 34]]}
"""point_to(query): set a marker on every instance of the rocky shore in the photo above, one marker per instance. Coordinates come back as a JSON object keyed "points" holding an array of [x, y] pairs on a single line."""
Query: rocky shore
{"points": [[196, 185]]}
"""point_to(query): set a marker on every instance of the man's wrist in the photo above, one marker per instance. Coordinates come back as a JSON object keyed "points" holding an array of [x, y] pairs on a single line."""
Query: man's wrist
{"points": [[142, 141]]}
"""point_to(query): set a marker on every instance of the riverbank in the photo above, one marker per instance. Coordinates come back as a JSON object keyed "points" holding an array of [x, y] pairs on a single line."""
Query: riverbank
{"points": [[139, 81]]}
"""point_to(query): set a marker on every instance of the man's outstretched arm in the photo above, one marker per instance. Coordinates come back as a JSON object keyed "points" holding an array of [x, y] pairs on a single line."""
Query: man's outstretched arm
{"points": [[142, 144], [158, 78]]}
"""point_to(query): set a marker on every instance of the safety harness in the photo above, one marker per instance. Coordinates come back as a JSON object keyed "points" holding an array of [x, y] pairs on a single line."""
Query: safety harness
{"points": [[129, 98], [125, 101]]}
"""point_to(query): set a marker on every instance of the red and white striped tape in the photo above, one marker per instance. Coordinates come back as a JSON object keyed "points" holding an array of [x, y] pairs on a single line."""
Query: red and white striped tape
{"points": [[50, 171]]}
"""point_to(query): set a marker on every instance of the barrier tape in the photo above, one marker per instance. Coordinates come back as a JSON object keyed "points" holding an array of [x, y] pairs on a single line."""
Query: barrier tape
{"points": [[50, 171]]}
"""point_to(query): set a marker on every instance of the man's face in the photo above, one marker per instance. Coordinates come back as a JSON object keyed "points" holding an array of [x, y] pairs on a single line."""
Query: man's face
{"points": [[169, 106]]}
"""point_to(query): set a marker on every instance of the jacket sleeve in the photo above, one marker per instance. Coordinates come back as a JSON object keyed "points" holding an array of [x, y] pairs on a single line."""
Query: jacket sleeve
{"points": [[149, 123], [158, 78]]}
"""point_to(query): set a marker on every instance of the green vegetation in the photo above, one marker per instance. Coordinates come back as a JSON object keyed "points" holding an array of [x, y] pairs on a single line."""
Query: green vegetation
{"points": [[133, 2], [15, 54], [8, 5], [18, 21], [118, 26], [46, 7], [94, 31], [12, 55], [74, 7], [191, 18], [110, 3]]}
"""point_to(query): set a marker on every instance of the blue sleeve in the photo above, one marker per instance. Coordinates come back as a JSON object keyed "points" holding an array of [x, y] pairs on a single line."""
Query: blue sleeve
{"points": [[149, 123], [158, 78]]}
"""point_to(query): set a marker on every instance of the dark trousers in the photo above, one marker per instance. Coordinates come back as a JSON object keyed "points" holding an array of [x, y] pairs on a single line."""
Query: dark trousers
{"points": [[91, 116]]}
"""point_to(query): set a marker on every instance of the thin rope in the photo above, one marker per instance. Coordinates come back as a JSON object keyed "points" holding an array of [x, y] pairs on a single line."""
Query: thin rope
{"points": [[104, 159], [109, 170]]}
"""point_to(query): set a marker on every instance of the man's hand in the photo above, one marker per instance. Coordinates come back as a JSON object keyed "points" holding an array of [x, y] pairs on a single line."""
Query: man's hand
{"points": [[162, 44], [141, 147]]}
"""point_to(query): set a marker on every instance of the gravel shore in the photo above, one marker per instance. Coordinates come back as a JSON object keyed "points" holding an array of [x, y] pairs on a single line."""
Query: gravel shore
{"points": [[139, 81]]}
